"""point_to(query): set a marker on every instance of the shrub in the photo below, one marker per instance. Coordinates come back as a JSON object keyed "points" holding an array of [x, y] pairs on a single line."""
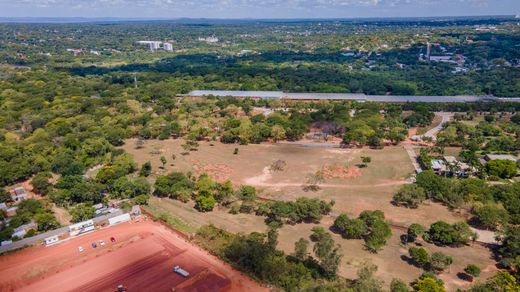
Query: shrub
{"points": [[371, 226], [443, 233], [491, 216], [204, 203], [409, 196], [472, 270], [439, 261], [415, 230], [419, 256]]}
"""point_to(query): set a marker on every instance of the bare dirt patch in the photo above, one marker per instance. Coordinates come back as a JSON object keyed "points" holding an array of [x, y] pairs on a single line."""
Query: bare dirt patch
{"points": [[340, 171], [218, 172]]}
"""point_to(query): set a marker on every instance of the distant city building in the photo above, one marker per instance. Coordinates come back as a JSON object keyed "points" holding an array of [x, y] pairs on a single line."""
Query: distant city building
{"points": [[486, 28], [75, 51], [211, 39], [154, 45], [168, 47]]}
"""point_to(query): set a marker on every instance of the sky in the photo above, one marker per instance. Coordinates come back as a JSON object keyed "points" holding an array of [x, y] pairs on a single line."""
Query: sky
{"points": [[255, 8]]}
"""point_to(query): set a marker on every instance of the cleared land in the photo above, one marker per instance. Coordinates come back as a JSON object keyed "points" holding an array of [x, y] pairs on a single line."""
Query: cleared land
{"points": [[141, 259], [369, 189]]}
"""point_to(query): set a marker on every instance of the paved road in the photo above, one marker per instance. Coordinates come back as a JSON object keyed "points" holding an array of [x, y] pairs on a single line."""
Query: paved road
{"points": [[446, 117]]}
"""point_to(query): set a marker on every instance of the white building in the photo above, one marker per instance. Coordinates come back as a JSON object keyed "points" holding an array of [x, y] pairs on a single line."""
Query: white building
{"points": [[154, 45], [211, 39], [81, 227], [119, 219], [51, 240], [168, 47]]}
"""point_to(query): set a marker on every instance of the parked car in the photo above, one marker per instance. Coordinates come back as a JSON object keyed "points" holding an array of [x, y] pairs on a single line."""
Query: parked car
{"points": [[101, 243], [80, 248], [112, 239], [94, 245]]}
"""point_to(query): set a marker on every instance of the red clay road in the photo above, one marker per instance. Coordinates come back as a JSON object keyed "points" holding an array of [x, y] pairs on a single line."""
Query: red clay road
{"points": [[142, 259]]}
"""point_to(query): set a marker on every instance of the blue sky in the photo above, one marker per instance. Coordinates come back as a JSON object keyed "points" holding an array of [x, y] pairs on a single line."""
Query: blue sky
{"points": [[255, 8]]}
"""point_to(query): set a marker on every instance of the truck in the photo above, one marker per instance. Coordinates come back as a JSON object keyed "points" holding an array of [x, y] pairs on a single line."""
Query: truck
{"points": [[181, 271]]}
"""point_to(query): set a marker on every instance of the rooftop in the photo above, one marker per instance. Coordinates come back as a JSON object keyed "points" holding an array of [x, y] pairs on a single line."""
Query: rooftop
{"points": [[501, 157], [344, 96]]}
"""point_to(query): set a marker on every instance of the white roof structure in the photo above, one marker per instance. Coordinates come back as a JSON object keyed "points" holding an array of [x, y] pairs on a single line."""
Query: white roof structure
{"points": [[501, 157], [345, 96], [237, 93]]}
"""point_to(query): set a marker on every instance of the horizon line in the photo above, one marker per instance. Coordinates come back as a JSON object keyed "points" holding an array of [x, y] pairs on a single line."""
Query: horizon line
{"points": [[21, 19]]}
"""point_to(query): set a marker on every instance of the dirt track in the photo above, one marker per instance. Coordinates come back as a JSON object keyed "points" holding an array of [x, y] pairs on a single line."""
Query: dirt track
{"points": [[142, 259]]}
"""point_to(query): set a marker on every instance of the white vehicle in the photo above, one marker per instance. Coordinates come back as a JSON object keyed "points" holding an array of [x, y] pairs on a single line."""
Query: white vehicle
{"points": [[101, 243], [181, 271], [80, 248]]}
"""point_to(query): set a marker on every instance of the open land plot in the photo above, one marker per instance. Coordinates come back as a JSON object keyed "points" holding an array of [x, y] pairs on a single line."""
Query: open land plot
{"points": [[368, 188], [391, 261], [142, 259]]}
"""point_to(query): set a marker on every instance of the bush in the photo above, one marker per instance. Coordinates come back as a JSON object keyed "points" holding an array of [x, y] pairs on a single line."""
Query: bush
{"points": [[247, 207], [371, 226], [398, 286], [428, 285], [415, 230], [141, 200], [443, 233], [247, 193], [491, 216], [146, 169], [409, 196], [204, 203], [501, 168], [419, 256], [439, 261], [302, 210], [472, 270]]}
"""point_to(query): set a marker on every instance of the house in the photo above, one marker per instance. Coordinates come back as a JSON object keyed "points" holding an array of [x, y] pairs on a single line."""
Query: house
{"points": [[458, 168], [439, 166], [489, 157], [18, 194], [22, 230], [450, 166]]}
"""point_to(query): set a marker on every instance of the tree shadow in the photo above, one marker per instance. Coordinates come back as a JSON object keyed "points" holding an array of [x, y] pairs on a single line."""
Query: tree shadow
{"points": [[464, 276]]}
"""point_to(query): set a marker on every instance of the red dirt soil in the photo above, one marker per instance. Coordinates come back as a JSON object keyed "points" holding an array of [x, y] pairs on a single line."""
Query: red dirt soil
{"points": [[340, 171], [141, 259], [218, 172]]}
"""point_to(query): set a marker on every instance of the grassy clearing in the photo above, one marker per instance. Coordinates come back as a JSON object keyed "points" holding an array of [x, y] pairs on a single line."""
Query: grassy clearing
{"points": [[169, 218]]}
